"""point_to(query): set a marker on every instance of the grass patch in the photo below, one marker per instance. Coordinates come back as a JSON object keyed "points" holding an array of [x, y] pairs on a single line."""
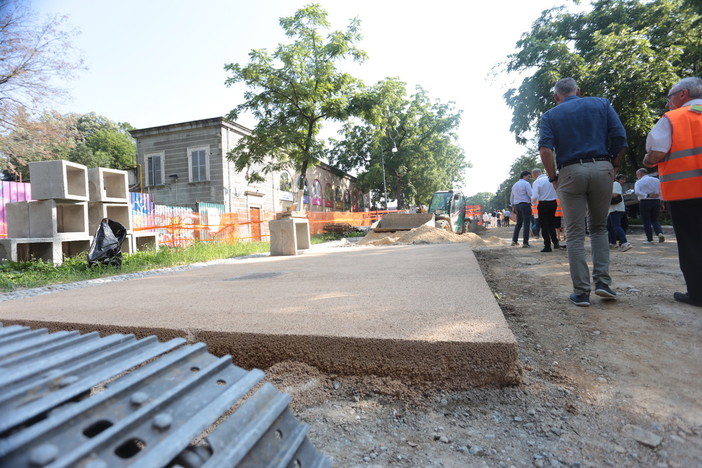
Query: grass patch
{"points": [[20, 275]]}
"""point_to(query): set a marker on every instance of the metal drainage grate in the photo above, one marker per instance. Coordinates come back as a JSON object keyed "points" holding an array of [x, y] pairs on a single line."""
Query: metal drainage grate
{"points": [[72, 400]]}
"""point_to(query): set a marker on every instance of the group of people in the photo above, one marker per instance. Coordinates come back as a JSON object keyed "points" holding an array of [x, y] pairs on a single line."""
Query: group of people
{"points": [[581, 144], [496, 218], [543, 195]]}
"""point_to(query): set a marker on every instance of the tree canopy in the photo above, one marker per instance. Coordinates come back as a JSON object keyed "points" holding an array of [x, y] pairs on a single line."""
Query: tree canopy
{"points": [[88, 139], [406, 144], [526, 162], [629, 51], [34, 56], [292, 92]]}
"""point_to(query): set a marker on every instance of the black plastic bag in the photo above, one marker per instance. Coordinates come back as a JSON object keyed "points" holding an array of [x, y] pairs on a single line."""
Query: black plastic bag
{"points": [[106, 248]]}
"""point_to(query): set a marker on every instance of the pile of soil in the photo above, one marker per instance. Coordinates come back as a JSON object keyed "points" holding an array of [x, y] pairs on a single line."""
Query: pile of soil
{"points": [[428, 235], [615, 384]]}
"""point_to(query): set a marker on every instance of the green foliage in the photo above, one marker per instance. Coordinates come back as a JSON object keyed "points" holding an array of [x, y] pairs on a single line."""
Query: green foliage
{"points": [[292, 92], [484, 199], [18, 275], [88, 139], [629, 51], [526, 162], [410, 140], [105, 143]]}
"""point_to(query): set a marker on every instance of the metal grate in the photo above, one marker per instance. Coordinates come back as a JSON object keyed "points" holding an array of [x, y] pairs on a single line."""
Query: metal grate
{"points": [[72, 400]]}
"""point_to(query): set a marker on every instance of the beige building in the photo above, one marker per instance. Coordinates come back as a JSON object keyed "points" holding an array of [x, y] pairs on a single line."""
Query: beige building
{"points": [[186, 163]]}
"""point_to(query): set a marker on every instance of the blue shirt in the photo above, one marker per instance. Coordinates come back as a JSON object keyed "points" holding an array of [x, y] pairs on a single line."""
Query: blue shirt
{"points": [[580, 128]]}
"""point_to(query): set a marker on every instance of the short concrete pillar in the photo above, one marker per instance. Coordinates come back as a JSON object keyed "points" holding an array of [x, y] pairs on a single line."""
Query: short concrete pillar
{"points": [[288, 235]]}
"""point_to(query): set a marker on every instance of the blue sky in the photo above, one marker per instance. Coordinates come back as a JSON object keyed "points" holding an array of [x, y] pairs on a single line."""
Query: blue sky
{"points": [[156, 62]]}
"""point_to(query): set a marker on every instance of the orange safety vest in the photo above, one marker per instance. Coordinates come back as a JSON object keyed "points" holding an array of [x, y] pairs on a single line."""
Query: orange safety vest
{"points": [[559, 210], [681, 171]]}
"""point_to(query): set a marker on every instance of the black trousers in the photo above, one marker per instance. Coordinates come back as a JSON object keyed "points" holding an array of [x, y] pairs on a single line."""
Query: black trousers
{"points": [[687, 222], [547, 218]]}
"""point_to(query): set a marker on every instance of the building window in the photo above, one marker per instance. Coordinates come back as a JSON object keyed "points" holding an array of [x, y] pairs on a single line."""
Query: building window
{"points": [[198, 164], [154, 169], [285, 182]]}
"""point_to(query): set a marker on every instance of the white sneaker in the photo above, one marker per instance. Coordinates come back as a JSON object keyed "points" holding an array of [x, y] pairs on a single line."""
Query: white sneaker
{"points": [[613, 246], [625, 246], [648, 242], [661, 237]]}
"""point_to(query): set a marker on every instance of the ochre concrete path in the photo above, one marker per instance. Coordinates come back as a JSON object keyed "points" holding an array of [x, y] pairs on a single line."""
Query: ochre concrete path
{"points": [[415, 313]]}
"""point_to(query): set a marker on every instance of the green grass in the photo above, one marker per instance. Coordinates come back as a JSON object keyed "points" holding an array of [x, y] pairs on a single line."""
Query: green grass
{"points": [[20, 275]]}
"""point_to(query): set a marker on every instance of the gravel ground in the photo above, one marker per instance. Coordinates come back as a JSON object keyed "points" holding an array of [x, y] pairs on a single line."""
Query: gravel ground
{"points": [[616, 384]]}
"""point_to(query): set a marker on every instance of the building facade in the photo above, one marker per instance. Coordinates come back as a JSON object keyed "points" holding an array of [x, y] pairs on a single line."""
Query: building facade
{"points": [[186, 163]]}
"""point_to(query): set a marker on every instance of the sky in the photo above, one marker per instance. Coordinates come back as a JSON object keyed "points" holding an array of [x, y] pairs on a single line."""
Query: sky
{"points": [[158, 62]]}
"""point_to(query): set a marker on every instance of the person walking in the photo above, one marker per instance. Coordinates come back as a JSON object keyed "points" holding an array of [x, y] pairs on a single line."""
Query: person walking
{"points": [[589, 141], [520, 199], [543, 193], [617, 210], [505, 216], [648, 191], [675, 145]]}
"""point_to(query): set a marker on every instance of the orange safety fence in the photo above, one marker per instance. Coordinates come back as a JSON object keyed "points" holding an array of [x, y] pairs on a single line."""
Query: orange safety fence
{"points": [[180, 230]]}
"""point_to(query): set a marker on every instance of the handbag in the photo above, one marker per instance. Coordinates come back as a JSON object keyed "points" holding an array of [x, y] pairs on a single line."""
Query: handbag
{"points": [[616, 200]]}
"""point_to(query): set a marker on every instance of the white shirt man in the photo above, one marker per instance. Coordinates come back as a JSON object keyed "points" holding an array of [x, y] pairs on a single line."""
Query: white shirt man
{"points": [[544, 193]]}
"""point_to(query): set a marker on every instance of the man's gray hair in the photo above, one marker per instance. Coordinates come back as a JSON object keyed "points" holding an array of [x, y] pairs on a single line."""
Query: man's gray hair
{"points": [[642, 171], [692, 84], [565, 86], [537, 171]]}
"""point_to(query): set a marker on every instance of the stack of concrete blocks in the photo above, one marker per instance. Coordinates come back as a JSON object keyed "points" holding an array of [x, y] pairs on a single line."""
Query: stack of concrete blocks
{"points": [[109, 198], [69, 202], [54, 224]]}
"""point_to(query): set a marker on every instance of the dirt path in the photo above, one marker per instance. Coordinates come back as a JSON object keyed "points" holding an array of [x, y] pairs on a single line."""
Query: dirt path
{"points": [[615, 384]]}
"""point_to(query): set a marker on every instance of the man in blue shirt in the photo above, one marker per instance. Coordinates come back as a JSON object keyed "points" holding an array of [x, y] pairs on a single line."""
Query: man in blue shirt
{"points": [[588, 140]]}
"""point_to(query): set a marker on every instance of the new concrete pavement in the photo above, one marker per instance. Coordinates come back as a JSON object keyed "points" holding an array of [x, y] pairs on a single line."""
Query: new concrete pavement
{"points": [[412, 312]]}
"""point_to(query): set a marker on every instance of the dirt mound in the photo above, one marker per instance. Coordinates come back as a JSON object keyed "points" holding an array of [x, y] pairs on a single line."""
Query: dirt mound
{"points": [[427, 235]]}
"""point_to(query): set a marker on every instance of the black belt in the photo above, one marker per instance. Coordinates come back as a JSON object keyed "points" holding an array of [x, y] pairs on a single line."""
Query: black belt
{"points": [[585, 160]]}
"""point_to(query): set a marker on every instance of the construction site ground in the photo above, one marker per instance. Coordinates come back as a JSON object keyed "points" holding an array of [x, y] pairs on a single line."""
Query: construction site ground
{"points": [[615, 384]]}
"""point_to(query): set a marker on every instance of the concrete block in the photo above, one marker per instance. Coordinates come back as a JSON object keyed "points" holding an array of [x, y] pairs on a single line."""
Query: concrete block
{"points": [[115, 211], [108, 185], [144, 241], [60, 180], [48, 249], [52, 218], [128, 244], [289, 235], [17, 217]]}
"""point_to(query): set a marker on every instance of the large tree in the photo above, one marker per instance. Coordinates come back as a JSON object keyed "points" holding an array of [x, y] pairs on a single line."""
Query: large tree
{"points": [[292, 92], [630, 51], [35, 56], [88, 139], [405, 145], [526, 162]]}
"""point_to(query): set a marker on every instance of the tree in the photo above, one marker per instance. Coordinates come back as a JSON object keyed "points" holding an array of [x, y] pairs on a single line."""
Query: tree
{"points": [[88, 139], [526, 162], [630, 51], [109, 143], [292, 92], [484, 199], [51, 136], [33, 57], [407, 144]]}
